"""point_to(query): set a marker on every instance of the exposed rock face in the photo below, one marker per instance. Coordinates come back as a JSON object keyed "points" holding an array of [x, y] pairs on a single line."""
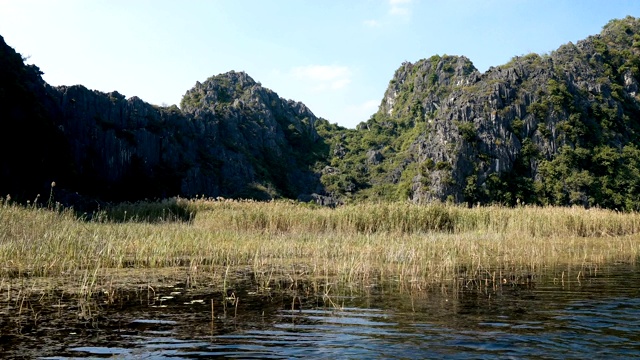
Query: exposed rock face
{"points": [[33, 152], [552, 129], [233, 139], [561, 129], [276, 137], [480, 124], [468, 120], [123, 149]]}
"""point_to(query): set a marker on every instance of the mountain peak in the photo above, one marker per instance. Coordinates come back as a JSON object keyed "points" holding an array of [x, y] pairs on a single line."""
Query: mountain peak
{"points": [[220, 89]]}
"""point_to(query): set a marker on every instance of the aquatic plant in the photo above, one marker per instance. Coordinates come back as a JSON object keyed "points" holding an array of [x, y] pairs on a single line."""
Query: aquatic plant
{"points": [[283, 242]]}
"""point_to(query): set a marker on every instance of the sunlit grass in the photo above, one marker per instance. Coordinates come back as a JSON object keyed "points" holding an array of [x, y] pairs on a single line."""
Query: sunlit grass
{"points": [[418, 246]]}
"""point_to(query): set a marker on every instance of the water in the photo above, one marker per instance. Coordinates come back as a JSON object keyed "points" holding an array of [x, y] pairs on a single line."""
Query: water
{"points": [[597, 317]]}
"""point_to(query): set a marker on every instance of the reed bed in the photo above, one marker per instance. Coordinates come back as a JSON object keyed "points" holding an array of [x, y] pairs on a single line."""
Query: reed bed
{"points": [[406, 218], [363, 245]]}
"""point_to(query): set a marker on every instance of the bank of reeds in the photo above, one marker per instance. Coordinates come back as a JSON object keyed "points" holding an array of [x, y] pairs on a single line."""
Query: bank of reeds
{"points": [[356, 244], [406, 218]]}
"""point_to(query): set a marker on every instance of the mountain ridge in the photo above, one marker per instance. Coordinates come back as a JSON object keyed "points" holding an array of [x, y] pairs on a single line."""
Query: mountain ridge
{"points": [[450, 133], [124, 149], [556, 129]]}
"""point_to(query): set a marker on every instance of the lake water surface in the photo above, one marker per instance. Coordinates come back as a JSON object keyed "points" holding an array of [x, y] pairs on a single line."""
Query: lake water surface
{"points": [[597, 317]]}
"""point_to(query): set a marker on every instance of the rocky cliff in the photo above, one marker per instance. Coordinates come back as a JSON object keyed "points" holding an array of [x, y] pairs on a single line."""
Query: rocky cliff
{"points": [[33, 152], [561, 128], [233, 138], [558, 129]]}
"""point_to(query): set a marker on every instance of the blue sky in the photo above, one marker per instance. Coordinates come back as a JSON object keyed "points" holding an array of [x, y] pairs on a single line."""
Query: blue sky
{"points": [[336, 56]]}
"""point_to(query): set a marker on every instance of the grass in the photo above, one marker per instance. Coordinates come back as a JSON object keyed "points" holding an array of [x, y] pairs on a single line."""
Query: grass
{"points": [[198, 241]]}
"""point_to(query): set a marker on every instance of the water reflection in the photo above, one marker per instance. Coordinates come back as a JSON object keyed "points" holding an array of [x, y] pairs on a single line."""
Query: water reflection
{"points": [[597, 317]]}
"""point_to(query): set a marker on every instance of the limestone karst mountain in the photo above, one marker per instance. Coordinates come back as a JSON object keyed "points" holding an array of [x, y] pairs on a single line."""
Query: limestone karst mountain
{"points": [[234, 138], [561, 128]]}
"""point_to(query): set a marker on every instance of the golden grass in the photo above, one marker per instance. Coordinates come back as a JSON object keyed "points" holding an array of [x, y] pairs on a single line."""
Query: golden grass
{"points": [[418, 246]]}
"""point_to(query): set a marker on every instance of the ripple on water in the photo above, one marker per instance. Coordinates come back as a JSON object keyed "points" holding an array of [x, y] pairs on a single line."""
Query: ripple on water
{"points": [[599, 318]]}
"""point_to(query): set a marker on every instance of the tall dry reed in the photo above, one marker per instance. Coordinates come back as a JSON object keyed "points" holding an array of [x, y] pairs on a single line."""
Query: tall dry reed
{"points": [[355, 244]]}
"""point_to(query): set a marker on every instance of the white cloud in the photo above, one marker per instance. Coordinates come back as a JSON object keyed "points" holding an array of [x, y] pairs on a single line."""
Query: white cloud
{"points": [[397, 8], [372, 23], [399, 2], [400, 7], [323, 77]]}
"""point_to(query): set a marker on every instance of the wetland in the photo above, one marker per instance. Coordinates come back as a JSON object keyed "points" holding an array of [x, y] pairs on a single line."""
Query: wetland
{"points": [[235, 279]]}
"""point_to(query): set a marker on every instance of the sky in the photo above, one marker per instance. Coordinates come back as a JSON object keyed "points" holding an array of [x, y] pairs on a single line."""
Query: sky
{"points": [[335, 56]]}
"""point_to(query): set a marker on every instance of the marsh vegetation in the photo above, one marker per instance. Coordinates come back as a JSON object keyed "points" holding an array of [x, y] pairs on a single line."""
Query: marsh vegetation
{"points": [[205, 241], [223, 260]]}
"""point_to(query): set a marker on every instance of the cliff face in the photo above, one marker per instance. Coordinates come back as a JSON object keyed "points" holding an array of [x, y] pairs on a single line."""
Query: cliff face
{"points": [[233, 139], [561, 128], [270, 142], [33, 152], [553, 129]]}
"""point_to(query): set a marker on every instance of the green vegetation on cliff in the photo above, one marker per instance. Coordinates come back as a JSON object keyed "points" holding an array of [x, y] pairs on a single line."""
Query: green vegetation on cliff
{"points": [[561, 129], [556, 129]]}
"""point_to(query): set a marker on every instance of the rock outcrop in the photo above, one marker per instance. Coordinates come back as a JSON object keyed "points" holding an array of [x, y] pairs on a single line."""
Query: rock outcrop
{"points": [[548, 129], [33, 152], [233, 138], [561, 128]]}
